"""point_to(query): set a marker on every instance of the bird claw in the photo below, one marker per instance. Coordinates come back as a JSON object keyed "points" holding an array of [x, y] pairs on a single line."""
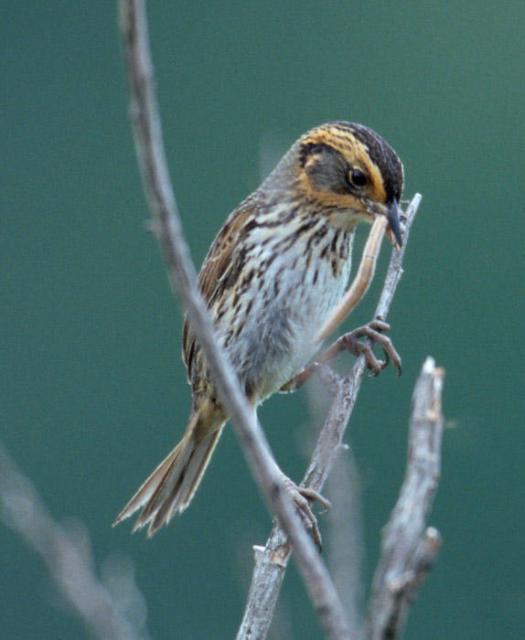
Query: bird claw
{"points": [[374, 332], [351, 342], [301, 497]]}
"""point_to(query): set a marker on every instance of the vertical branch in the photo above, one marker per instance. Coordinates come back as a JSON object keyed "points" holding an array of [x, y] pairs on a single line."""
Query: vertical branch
{"points": [[344, 522], [272, 559], [409, 549], [161, 199]]}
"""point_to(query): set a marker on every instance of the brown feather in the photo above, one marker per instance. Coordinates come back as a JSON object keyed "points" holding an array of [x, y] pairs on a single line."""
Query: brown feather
{"points": [[215, 265]]}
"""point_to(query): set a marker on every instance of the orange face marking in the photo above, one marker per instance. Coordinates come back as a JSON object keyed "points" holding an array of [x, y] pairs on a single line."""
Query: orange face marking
{"points": [[357, 156]]}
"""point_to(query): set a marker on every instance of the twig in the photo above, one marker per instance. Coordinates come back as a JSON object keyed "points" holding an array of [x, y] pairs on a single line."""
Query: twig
{"points": [[408, 549], [344, 532], [67, 555], [161, 199], [271, 560]]}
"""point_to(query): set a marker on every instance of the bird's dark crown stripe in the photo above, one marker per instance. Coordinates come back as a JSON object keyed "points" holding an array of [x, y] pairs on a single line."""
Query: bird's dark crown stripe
{"points": [[386, 159]]}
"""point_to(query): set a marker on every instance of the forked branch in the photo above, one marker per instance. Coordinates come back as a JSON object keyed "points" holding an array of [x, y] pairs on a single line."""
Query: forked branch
{"points": [[409, 548]]}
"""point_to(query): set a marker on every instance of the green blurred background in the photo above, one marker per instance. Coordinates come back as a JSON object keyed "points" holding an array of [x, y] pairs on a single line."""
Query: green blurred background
{"points": [[93, 390]]}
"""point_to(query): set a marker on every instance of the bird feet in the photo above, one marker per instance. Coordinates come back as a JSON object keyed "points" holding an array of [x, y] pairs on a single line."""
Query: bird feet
{"points": [[374, 331], [351, 342], [302, 497]]}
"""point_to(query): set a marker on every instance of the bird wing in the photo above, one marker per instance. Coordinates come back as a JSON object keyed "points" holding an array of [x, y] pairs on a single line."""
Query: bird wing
{"points": [[216, 273]]}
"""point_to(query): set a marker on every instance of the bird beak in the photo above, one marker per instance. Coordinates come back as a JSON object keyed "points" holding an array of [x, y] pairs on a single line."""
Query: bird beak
{"points": [[393, 223]]}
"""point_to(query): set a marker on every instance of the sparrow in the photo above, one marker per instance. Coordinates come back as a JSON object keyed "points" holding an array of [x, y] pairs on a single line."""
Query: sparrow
{"points": [[278, 266]]}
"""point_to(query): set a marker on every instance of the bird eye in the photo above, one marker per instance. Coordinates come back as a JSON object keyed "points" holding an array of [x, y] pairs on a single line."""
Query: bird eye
{"points": [[358, 178]]}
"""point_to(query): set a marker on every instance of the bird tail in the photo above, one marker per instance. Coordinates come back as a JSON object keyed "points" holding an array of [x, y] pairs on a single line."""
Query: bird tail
{"points": [[172, 485]]}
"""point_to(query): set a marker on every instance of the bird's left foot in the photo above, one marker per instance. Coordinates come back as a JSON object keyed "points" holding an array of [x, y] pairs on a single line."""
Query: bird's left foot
{"points": [[302, 497], [351, 342]]}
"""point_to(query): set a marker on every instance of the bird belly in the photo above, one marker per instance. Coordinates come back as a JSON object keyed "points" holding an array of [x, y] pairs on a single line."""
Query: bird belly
{"points": [[279, 329]]}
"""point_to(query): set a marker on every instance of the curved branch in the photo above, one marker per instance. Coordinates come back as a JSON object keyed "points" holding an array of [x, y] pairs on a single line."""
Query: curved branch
{"points": [[161, 199]]}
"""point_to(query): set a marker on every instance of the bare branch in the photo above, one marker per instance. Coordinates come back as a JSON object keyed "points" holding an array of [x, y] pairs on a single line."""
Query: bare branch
{"points": [[409, 549], [272, 559], [161, 199], [67, 555], [344, 531]]}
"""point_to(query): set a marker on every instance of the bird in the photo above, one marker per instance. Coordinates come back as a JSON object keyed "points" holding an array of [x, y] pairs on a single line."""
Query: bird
{"points": [[277, 267]]}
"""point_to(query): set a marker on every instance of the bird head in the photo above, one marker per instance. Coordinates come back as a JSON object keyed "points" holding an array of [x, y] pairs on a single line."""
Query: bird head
{"points": [[352, 174]]}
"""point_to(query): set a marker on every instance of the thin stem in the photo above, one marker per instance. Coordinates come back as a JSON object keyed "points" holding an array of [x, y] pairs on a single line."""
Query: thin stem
{"points": [[272, 559], [161, 199]]}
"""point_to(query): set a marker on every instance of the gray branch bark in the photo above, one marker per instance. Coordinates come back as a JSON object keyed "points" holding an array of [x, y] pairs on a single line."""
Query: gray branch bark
{"points": [[272, 559], [409, 548], [161, 199], [66, 552]]}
